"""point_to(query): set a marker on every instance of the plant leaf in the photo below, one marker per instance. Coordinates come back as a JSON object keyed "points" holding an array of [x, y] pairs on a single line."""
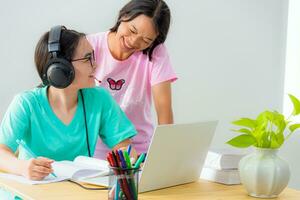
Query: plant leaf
{"points": [[277, 141], [242, 130], [247, 122], [266, 139], [242, 141], [280, 123], [296, 104], [263, 118], [293, 127], [270, 128], [279, 138], [261, 126]]}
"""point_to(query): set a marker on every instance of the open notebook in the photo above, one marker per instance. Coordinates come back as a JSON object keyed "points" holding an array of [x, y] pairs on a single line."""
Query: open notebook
{"points": [[82, 169]]}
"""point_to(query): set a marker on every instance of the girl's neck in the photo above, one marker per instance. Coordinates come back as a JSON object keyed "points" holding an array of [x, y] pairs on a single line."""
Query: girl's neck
{"points": [[64, 99]]}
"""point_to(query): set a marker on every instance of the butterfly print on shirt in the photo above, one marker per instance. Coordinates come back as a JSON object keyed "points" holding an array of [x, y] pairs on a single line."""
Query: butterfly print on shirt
{"points": [[115, 85]]}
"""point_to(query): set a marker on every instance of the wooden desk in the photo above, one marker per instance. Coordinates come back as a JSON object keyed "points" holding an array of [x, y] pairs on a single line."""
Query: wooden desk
{"points": [[199, 190]]}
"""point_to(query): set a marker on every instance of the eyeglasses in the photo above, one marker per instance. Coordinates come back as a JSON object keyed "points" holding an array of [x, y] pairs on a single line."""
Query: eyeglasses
{"points": [[89, 56]]}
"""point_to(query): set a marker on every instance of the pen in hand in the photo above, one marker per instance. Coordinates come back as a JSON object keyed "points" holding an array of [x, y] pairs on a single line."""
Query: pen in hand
{"points": [[29, 151]]}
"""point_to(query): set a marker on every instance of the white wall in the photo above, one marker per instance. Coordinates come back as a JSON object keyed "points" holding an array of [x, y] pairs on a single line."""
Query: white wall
{"points": [[23, 22], [229, 55], [292, 85]]}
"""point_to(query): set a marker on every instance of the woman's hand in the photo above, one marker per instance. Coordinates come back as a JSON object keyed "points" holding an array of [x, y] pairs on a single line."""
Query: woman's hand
{"points": [[37, 169], [123, 146]]}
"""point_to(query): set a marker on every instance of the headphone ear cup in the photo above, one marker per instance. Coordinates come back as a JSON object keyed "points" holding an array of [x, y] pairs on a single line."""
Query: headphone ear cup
{"points": [[60, 73]]}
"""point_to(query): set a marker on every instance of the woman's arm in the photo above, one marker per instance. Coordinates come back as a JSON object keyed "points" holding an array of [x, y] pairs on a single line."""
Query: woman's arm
{"points": [[35, 169], [162, 95]]}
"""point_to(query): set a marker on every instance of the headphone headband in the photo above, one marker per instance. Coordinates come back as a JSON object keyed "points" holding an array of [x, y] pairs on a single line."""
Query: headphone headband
{"points": [[54, 37], [58, 72]]}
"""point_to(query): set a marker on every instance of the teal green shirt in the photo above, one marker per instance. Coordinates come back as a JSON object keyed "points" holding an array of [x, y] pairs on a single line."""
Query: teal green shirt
{"points": [[31, 118]]}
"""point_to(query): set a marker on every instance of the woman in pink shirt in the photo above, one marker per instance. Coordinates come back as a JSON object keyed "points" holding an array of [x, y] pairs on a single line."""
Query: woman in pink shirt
{"points": [[133, 64]]}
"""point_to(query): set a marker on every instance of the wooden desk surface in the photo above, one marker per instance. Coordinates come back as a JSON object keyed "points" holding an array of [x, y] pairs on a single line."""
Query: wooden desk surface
{"points": [[198, 190]]}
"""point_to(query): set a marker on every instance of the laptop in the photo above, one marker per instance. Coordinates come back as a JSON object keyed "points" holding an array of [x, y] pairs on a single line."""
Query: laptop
{"points": [[176, 155]]}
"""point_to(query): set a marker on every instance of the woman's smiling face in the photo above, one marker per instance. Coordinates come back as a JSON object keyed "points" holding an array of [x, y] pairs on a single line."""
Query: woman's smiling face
{"points": [[136, 35]]}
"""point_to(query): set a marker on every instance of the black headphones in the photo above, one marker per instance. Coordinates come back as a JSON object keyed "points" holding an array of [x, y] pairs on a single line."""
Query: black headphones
{"points": [[58, 72]]}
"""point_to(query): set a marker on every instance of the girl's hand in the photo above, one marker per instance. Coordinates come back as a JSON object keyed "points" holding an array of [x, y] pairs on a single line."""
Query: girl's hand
{"points": [[37, 169]]}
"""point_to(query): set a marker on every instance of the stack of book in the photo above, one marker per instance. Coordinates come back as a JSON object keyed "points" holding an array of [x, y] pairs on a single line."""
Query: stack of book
{"points": [[221, 166]]}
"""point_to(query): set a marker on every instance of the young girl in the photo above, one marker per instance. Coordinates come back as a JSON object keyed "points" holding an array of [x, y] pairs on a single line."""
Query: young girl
{"points": [[64, 118], [133, 64]]}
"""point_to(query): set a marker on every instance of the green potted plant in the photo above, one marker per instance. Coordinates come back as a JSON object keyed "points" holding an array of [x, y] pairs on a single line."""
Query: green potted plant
{"points": [[262, 172]]}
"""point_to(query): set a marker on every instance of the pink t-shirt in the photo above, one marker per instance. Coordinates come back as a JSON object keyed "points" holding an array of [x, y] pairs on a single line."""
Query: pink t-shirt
{"points": [[130, 83]]}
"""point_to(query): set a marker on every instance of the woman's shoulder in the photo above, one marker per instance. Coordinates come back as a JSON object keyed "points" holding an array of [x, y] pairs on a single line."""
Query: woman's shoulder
{"points": [[96, 37], [160, 51], [98, 34]]}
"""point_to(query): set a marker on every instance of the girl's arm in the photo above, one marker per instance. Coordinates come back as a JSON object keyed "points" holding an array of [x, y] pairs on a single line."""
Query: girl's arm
{"points": [[162, 95], [34, 169]]}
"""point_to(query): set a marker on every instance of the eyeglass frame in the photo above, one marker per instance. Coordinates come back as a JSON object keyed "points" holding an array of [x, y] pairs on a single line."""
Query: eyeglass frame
{"points": [[90, 57]]}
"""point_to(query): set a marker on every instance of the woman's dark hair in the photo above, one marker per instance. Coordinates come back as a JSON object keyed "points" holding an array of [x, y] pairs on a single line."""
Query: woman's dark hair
{"points": [[69, 40], [157, 10]]}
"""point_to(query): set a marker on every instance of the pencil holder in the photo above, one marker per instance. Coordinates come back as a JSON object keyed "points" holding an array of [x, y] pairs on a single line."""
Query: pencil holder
{"points": [[123, 183]]}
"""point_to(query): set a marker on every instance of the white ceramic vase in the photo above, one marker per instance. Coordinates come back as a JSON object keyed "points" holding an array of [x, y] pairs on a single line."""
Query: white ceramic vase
{"points": [[263, 173]]}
